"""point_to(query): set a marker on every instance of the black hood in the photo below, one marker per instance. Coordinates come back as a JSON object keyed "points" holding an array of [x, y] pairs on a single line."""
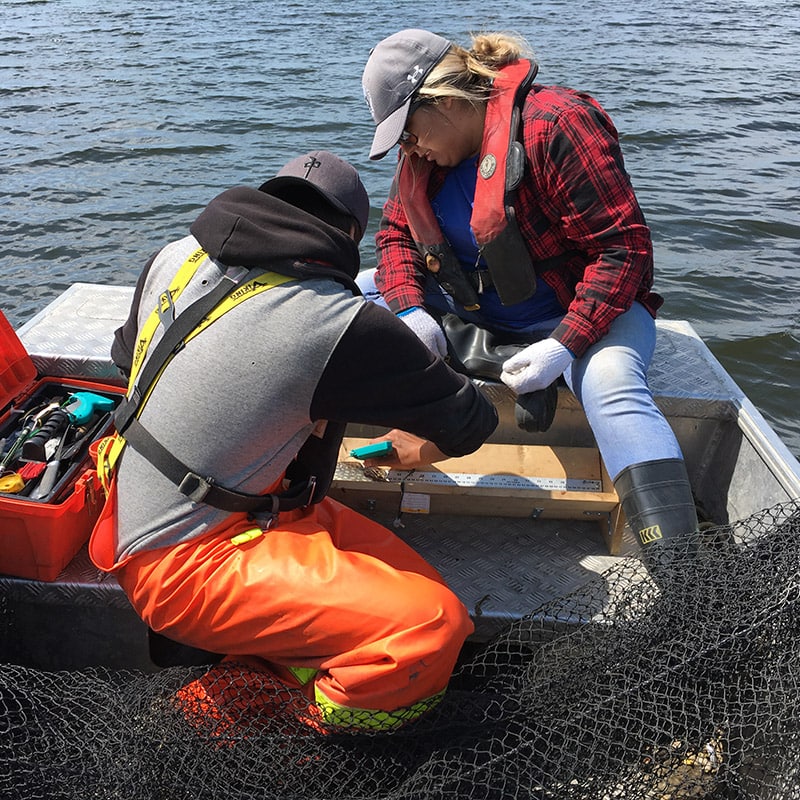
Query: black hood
{"points": [[244, 227]]}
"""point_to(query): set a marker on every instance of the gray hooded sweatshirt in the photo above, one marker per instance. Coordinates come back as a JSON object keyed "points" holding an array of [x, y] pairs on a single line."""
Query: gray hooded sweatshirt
{"points": [[238, 401]]}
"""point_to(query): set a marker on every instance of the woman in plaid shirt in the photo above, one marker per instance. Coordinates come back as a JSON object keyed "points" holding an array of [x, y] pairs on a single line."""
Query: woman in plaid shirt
{"points": [[511, 208]]}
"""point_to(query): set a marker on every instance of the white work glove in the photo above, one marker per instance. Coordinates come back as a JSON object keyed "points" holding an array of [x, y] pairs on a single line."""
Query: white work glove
{"points": [[427, 329], [536, 367]]}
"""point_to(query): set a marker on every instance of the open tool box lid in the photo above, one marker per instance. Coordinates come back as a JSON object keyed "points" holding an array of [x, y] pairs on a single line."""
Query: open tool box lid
{"points": [[17, 370]]}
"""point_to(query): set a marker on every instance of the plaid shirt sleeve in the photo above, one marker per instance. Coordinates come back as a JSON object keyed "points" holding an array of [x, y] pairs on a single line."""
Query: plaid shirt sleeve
{"points": [[580, 198], [401, 275]]}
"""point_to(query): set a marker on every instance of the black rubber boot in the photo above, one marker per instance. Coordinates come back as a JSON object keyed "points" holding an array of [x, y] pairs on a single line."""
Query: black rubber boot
{"points": [[657, 500]]}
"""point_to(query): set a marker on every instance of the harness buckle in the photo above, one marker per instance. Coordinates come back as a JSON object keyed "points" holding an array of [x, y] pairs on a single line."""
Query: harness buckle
{"points": [[481, 279], [166, 309], [195, 487], [266, 519]]}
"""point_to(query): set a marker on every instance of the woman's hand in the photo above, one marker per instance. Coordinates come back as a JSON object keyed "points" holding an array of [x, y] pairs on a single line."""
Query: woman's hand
{"points": [[536, 367], [409, 451]]}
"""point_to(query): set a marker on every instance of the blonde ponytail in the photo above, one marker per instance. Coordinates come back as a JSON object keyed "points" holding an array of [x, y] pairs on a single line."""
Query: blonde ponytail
{"points": [[468, 74], [495, 50]]}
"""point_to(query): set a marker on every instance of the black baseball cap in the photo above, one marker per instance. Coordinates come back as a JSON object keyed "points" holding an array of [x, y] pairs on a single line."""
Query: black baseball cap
{"points": [[334, 179]]}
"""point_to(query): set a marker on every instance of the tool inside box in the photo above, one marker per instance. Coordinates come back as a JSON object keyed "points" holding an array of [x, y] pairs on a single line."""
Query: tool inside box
{"points": [[44, 439]]}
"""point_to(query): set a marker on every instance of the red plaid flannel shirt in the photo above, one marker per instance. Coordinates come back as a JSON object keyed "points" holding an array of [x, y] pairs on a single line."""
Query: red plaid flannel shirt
{"points": [[575, 198]]}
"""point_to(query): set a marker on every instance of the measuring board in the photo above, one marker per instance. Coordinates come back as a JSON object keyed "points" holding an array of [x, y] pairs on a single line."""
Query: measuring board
{"points": [[497, 480], [469, 480]]}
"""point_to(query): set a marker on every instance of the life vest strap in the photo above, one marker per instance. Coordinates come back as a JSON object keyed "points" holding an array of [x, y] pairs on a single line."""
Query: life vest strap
{"points": [[174, 335], [202, 489]]}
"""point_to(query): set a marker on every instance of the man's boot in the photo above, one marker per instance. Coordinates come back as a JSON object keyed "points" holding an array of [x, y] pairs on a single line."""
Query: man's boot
{"points": [[657, 500]]}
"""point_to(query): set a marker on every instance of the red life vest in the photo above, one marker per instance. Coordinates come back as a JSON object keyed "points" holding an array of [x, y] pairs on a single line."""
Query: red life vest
{"points": [[500, 170]]}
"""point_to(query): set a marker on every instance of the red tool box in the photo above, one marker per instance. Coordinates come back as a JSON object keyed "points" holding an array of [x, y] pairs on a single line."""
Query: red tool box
{"points": [[50, 496]]}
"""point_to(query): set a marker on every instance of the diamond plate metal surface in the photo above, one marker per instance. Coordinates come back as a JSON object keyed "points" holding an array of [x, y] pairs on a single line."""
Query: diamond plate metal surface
{"points": [[683, 366], [72, 336], [502, 569], [80, 583]]}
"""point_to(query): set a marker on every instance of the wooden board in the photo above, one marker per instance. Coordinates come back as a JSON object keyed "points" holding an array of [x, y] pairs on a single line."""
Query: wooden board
{"points": [[497, 480]]}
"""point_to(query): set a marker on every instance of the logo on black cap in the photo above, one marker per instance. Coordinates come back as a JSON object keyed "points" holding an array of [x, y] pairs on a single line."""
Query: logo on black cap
{"points": [[312, 163]]}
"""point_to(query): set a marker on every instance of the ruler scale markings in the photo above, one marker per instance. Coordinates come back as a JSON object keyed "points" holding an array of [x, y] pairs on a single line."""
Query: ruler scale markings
{"points": [[494, 481], [472, 480]]}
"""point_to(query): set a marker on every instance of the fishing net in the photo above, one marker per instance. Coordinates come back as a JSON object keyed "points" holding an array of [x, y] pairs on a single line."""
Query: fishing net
{"points": [[677, 681]]}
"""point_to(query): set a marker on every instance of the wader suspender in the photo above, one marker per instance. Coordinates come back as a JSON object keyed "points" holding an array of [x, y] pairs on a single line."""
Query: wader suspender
{"points": [[178, 329]]}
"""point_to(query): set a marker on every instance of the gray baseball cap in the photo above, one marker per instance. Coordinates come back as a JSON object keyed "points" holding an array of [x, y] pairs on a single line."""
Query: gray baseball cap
{"points": [[396, 68], [334, 179]]}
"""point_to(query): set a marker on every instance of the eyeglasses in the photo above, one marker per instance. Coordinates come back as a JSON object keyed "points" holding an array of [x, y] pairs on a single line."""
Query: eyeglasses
{"points": [[408, 138]]}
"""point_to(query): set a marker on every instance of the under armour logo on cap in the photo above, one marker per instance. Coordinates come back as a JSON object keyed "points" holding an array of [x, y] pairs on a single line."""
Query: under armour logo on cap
{"points": [[414, 77]]}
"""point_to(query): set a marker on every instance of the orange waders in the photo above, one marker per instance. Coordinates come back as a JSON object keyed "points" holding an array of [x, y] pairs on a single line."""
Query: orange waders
{"points": [[325, 592]]}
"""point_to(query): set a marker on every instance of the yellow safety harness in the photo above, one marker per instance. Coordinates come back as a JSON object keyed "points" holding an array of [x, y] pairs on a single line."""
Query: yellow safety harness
{"points": [[237, 285]]}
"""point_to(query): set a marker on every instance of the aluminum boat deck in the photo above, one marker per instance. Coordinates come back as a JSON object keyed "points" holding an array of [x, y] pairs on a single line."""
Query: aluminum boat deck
{"points": [[502, 568]]}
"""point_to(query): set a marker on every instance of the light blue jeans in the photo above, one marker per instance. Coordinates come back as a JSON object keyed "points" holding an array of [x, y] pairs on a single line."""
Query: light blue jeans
{"points": [[610, 382]]}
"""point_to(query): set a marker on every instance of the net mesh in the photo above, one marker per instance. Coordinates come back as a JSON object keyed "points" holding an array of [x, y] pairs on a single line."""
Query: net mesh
{"points": [[685, 684]]}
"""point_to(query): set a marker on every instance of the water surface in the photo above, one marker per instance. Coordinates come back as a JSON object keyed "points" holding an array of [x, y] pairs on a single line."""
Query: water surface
{"points": [[120, 121]]}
